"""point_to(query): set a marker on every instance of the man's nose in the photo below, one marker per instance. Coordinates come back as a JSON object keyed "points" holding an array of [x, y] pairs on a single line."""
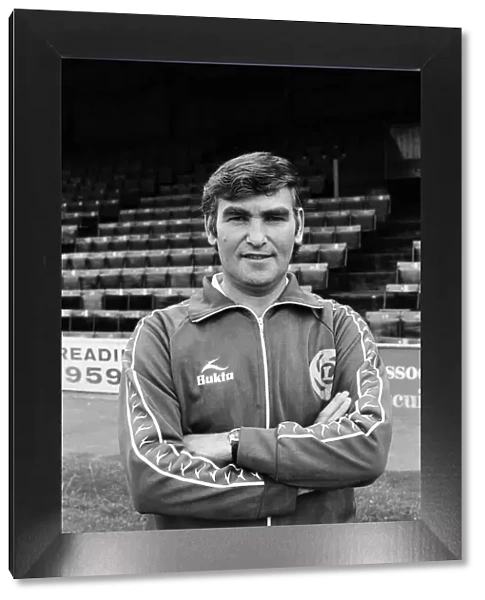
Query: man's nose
{"points": [[257, 232]]}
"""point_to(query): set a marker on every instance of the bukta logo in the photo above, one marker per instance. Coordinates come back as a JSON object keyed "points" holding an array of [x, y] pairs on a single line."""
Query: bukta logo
{"points": [[215, 377], [322, 369]]}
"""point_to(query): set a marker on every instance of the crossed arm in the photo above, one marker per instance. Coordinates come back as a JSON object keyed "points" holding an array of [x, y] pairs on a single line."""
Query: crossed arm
{"points": [[216, 446]]}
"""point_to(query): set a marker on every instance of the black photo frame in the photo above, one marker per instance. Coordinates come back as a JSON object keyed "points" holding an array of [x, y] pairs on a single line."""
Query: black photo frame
{"points": [[39, 42]]}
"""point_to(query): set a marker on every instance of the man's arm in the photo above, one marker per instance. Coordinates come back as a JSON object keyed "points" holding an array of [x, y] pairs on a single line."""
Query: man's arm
{"points": [[164, 476], [346, 452], [216, 446]]}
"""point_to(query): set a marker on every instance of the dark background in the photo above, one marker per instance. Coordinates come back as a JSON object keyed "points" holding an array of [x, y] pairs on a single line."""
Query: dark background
{"points": [[187, 114]]}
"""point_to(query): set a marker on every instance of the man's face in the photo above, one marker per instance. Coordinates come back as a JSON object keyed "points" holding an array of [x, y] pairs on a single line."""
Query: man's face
{"points": [[255, 238]]}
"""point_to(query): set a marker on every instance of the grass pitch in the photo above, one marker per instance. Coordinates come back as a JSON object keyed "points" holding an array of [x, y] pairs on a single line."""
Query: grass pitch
{"points": [[95, 496]]}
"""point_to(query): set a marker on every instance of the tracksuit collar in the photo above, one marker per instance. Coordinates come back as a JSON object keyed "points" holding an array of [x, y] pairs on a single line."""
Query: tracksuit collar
{"points": [[210, 300]]}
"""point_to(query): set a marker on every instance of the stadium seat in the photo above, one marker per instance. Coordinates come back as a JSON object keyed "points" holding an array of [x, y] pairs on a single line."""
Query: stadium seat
{"points": [[158, 243], [384, 323], [168, 296], [132, 278], [78, 261], [199, 240], [315, 219], [130, 319], [321, 235], [141, 215], [411, 324], [179, 225], [365, 218], [408, 272], [350, 235], [161, 213], [68, 247], [105, 320], [135, 259], [66, 261], [94, 260], [107, 229], [124, 228], [180, 212], [156, 278], [400, 295], [114, 260], [352, 203], [70, 280], [335, 255], [72, 299], [181, 257], [96, 244], [141, 228], [141, 299], [204, 257], [139, 242], [307, 253], [197, 226], [115, 300], [416, 253], [82, 320], [109, 278], [157, 258], [323, 204], [89, 279], [315, 275], [338, 218], [71, 218], [120, 243], [180, 277], [158, 228], [180, 240]]}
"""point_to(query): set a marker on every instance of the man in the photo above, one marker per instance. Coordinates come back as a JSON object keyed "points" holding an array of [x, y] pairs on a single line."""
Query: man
{"points": [[253, 402]]}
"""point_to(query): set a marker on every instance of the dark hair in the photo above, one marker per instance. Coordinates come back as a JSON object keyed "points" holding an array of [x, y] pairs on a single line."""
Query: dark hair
{"points": [[249, 175]]}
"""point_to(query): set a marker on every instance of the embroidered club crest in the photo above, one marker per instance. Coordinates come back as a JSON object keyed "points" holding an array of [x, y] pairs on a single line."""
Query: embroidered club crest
{"points": [[322, 370]]}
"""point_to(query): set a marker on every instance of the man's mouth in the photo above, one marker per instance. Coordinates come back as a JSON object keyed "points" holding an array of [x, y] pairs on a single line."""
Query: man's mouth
{"points": [[254, 256]]}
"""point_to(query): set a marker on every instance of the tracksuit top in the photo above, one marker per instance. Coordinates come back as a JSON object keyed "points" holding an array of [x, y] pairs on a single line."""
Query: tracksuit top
{"points": [[208, 365]]}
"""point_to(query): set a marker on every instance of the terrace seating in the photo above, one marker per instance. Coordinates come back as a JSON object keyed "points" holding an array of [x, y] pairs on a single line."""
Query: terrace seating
{"points": [[384, 323], [408, 272], [402, 295], [333, 254], [314, 275], [411, 324], [130, 246]]}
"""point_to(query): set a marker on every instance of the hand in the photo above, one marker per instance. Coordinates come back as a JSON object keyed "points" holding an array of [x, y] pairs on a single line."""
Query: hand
{"points": [[335, 409], [214, 446]]}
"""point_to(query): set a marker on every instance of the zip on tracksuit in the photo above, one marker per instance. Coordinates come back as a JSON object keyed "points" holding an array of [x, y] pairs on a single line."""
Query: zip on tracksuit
{"points": [[208, 365]]}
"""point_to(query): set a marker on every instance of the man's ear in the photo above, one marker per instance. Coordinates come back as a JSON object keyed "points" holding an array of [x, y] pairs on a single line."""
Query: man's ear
{"points": [[210, 229], [300, 223]]}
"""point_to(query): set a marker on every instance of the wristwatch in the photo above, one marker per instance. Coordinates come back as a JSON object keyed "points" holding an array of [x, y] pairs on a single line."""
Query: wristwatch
{"points": [[233, 437]]}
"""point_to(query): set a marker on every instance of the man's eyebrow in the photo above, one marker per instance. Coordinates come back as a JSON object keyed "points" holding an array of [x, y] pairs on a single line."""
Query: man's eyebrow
{"points": [[276, 212], [235, 210]]}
